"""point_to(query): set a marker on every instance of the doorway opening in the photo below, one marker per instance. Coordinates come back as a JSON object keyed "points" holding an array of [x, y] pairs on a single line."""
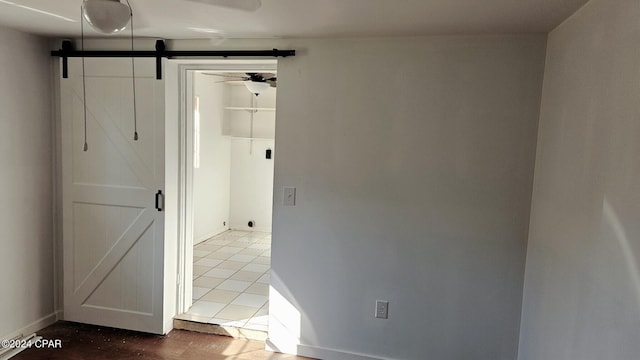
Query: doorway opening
{"points": [[227, 190]]}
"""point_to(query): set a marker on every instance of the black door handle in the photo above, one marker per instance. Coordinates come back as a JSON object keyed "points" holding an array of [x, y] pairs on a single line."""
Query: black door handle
{"points": [[159, 195]]}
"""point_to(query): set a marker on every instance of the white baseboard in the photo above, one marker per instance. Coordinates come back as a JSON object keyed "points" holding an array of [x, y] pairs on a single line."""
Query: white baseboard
{"points": [[168, 325], [33, 327], [209, 235], [10, 352], [322, 353], [255, 228]]}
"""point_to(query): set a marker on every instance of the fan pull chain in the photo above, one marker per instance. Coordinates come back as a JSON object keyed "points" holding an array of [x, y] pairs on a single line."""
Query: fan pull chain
{"points": [[84, 85], [133, 73]]}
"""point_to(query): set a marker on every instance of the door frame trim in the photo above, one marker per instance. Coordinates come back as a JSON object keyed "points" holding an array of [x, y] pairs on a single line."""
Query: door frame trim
{"points": [[179, 81]]}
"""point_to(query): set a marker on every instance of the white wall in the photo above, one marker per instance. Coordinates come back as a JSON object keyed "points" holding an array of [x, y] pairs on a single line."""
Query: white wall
{"points": [[232, 185], [582, 287], [239, 122], [413, 162], [211, 182], [26, 188], [251, 172], [251, 184]]}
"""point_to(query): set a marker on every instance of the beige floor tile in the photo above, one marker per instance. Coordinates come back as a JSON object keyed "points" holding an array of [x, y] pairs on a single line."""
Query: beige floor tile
{"points": [[259, 327], [246, 240], [254, 252], [236, 312], [232, 265], [239, 233], [220, 273], [234, 285], [220, 296], [259, 268], [230, 249], [199, 269], [241, 276], [200, 253], [207, 282], [192, 317], [224, 237], [198, 292], [224, 322], [263, 313], [246, 276], [207, 247], [208, 262], [221, 235], [240, 244], [219, 255], [264, 247], [259, 320], [250, 300], [242, 258], [262, 260], [218, 242], [258, 289], [265, 279], [205, 308]]}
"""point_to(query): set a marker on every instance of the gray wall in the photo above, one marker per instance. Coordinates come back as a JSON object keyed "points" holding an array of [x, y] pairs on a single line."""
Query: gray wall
{"points": [[582, 287], [413, 160], [26, 231]]}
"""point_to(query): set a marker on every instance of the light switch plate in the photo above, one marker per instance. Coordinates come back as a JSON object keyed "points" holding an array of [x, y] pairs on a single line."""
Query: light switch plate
{"points": [[289, 196]]}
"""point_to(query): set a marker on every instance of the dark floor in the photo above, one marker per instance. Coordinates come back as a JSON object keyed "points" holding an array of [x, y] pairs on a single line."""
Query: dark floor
{"points": [[81, 341]]}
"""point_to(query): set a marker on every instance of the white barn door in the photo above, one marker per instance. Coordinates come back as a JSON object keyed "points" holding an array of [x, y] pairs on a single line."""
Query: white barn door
{"points": [[113, 235]]}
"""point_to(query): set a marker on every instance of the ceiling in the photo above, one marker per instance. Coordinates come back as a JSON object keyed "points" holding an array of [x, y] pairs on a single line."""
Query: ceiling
{"points": [[182, 19]]}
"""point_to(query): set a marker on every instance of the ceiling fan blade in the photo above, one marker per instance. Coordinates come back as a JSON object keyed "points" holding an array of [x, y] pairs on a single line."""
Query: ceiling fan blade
{"points": [[267, 77], [261, 77], [245, 5], [39, 11], [234, 77], [253, 77], [139, 21]]}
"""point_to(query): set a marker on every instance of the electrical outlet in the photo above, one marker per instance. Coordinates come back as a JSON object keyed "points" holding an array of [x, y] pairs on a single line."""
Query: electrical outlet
{"points": [[382, 309]]}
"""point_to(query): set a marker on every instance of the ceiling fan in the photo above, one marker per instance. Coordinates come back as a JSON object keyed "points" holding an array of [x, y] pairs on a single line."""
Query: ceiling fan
{"points": [[112, 16], [255, 82]]}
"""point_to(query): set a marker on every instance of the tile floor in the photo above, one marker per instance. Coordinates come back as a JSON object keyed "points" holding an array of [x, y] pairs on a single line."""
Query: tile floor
{"points": [[231, 280]]}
